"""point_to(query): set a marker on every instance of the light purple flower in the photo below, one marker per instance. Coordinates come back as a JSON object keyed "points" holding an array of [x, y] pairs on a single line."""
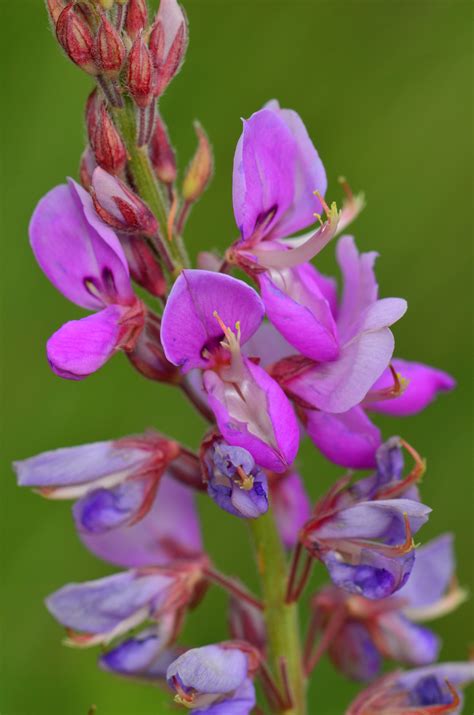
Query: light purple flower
{"points": [[83, 259], [433, 689], [365, 540], [233, 479], [114, 481], [291, 505], [96, 612], [214, 679], [202, 311]]}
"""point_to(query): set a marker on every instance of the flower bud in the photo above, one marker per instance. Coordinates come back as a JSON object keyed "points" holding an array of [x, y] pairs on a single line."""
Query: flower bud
{"points": [[75, 37], [143, 264], [168, 42], [162, 155], [55, 8], [109, 149], [109, 50], [140, 76], [137, 17], [118, 206], [199, 172], [86, 167], [148, 357], [246, 623], [92, 112]]}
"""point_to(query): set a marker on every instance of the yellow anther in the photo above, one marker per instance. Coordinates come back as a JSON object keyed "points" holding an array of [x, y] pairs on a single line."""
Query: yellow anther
{"points": [[246, 480]]}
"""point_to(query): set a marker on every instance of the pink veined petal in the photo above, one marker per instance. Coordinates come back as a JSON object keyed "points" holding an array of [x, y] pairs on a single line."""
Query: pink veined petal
{"points": [[424, 384], [264, 173], [296, 306], [172, 17], [79, 254], [309, 177], [82, 347], [348, 439], [360, 285], [153, 541], [266, 426], [189, 326]]}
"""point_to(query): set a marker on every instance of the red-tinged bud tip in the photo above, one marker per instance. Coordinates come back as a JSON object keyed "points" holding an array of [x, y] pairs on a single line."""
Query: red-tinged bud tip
{"points": [[86, 167], [162, 155], [140, 75], [75, 37], [137, 17], [109, 50], [55, 8], [148, 357], [199, 172], [109, 149], [118, 206], [168, 42]]}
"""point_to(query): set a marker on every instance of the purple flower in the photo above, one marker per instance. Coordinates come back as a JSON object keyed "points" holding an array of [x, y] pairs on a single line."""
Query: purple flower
{"points": [[96, 612], [215, 679], [83, 259], [433, 689], [115, 482], [233, 479], [364, 539], [197, 332], [369, 631], [291, 505]]}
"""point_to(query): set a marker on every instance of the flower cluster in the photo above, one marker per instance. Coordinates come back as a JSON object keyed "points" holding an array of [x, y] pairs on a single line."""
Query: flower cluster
{"points": [[266, 361]]}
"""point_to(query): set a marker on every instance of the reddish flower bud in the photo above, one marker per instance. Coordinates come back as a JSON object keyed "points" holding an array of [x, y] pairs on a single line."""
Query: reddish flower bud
{"points": [[118, 206], [55, 8], [137, 17], [140, 76], [143, 264], [199, 171], [162, 155], [168, 42], [148, 357], [109, 50], [109, 149], [91, 113], [86, 167], [75, 37], [246, 623]]}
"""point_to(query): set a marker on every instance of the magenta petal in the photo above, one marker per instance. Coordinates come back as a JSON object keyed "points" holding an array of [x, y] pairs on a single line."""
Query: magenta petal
{"points": [[360, 285], [153, 541], [79, 254], [291, 506], [82, 347], [309, 176], [424, 384], [189, 326], [349, 439], [298, 309], [265, 424], [264, 172]]}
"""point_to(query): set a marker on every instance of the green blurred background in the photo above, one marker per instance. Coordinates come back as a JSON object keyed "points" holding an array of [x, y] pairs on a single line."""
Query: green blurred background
{"points": [[385, 90]]}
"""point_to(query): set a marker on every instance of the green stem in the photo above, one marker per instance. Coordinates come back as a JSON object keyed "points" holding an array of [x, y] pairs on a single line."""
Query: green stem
{"points": [[143, 177], [281, 618]]}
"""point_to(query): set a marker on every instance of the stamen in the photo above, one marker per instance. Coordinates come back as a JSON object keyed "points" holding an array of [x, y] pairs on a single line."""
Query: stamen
{"points": [[326, 208], [346, 187], [246, 480], [414, 476], [182, 697]]}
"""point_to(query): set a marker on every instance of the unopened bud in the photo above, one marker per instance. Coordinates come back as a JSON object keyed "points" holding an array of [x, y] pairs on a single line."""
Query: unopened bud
{"points": [[109, 149], [86, 167], [162, 155], [118, 206], [168, 42], [137, 17], [75, 37], [91, 113], [144, 267], [140, 76], [199, 172], [148, 357], [109, 50], [55, 8]]}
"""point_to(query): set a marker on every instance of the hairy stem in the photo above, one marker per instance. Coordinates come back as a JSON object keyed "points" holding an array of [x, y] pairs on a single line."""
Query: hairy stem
{"points": [[281, 618]]}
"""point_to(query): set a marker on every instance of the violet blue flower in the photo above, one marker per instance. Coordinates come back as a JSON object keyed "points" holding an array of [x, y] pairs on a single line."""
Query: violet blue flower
{"points": [[84, 260], [214, 679], [365, 540], [114, 481], [233, 479], [369, 631], [432, 689], [96, 612], [197, 332]]}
